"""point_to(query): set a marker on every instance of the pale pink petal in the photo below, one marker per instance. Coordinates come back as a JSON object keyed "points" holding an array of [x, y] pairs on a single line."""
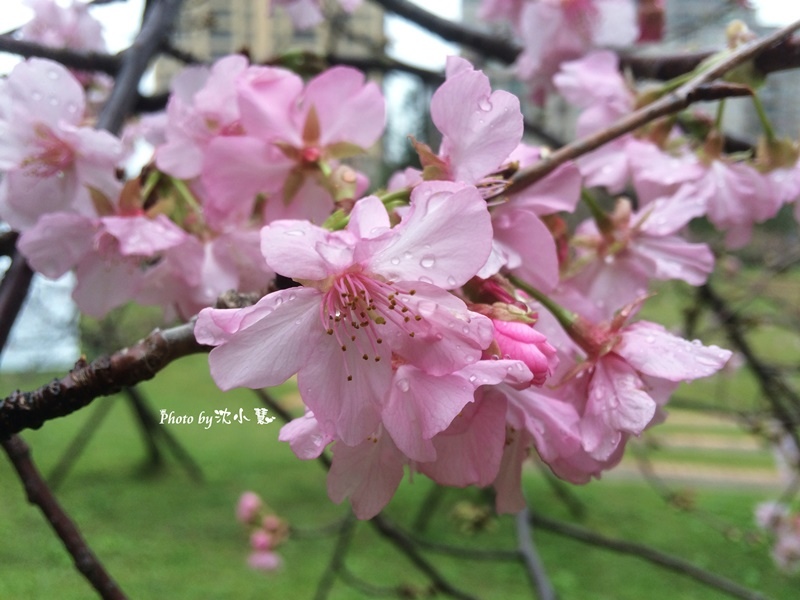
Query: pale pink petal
{"points": [[235, 170], [266, 100], [652, 350], [349, 109], [57, 243], [343, 389], [368, 473], [470, 450], [305, 436], [444, 239], [617, 404], [143, 236], [421, 405], [447, 337], [104, 284], [49, 92], [273, 349], [528, 246], [369, 218], [480, 127], [300, 250], [672, 257]]}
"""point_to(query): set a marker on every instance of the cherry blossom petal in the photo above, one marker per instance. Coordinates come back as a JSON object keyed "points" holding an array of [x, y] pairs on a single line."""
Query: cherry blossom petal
{"points": [[652, 350], [303, 251], [273, 349], [305, 436], [368, 473], [480, 127], [444, 239], [348, 108], [470, 450], [421, 405]]}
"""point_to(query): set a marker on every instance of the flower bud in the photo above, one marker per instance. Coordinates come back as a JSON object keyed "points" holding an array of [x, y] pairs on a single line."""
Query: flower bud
{"points": [[248, 507], [522, 342]]}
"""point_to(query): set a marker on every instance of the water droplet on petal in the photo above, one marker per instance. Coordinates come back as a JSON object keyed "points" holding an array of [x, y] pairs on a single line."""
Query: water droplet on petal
{"points": [[650, 339], [403, 385], [395, 260], [451, 281], [427, 261], [426, 280], [465, 329], [472, 378], [485, 104], [295, 232], [72, 108], [36, 96], [292, 296], [407, 255], [52, 74], [53, 101]]}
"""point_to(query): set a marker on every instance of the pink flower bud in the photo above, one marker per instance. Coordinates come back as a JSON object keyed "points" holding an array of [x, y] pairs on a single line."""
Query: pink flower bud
{"points": [[264, 561], [260, 540], [521, 341], [248, 507], [271, 523]]}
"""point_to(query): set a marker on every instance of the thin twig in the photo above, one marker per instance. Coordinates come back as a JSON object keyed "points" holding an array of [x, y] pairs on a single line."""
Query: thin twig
{"points": [[649, 554], [529, 556], [336, 563]]}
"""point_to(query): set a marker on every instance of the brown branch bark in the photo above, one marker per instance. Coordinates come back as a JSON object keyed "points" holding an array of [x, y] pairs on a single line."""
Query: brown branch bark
{"points": [[39, 493], [102, 377]]}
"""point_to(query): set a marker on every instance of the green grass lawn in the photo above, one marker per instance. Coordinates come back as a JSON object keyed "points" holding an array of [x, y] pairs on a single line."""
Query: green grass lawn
{"points": [[161, 535]]}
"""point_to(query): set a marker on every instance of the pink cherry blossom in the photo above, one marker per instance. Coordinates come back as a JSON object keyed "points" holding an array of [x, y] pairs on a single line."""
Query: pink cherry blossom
{"points": [[293, 134], [202, 106], [44, 146], [248, 506], [369, 293], [264, 560], [619, 264], [71, 26], [555, 31], [306, 14]]}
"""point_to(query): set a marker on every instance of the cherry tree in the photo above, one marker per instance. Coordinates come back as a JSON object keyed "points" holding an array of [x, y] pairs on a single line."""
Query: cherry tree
{"points": [[474, 312]]}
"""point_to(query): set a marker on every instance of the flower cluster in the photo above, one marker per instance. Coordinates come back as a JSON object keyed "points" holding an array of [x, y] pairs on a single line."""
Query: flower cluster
{"points": [[268, 532], [450, 325]]}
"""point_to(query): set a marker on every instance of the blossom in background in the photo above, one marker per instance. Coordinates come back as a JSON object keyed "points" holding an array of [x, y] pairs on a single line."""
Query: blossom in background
{"points": [[306, 14], [51, 162], [556, 31]]}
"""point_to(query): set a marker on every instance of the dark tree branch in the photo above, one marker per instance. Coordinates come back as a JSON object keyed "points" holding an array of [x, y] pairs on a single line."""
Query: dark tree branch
{"points": [[83, 61], [337, 561], [488, 45], [8, 242], [13, 291], [157, 25], [784, 400], [39, 494], [104, 376], [643, 552]]}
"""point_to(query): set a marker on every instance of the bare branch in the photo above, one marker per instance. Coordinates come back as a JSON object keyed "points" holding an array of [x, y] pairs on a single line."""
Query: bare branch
{"points": [[104, 376], [488, 45], [39, 494], [13, 291], [534, 567], [647, 553], [83, 61]]}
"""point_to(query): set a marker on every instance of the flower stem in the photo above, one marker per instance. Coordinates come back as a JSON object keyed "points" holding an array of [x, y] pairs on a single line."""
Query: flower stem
{"points": [[762, 116], [565, 317]]}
